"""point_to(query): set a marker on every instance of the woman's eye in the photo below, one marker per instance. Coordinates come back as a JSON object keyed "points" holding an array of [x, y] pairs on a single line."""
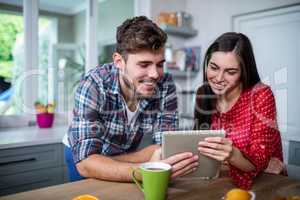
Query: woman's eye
{"points": [[231, 72], [213, 67]]}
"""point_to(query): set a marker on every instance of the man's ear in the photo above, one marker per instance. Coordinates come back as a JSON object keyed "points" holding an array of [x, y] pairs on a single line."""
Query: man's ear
{"points": [[118, 60]]}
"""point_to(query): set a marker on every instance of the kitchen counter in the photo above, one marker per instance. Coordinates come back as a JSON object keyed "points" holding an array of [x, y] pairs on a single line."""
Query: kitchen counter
{"points": [[266, 187], [30, 136]]}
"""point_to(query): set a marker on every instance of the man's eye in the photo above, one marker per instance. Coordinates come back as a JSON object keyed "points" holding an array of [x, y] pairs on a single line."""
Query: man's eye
{"points": [[160, 65], [143, 65]]}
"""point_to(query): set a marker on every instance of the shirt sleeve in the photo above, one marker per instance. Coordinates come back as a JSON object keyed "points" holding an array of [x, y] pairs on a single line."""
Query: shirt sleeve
{"points": [[264, 130], [84, 131], [264, 136], [167, 117]]}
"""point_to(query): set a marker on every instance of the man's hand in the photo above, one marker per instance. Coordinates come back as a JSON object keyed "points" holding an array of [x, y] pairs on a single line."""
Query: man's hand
{"points": [[182, 163]]}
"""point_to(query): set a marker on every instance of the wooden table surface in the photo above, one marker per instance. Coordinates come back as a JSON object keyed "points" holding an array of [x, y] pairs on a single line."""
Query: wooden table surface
{"points": [[266, 187]]}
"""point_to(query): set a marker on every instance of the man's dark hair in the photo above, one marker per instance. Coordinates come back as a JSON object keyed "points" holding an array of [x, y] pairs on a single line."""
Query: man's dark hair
{"points": [[139, 33]]}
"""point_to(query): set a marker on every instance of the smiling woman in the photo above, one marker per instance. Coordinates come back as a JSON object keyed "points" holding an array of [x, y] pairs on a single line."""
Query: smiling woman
{"points": [[233, 98], [224, 73]]}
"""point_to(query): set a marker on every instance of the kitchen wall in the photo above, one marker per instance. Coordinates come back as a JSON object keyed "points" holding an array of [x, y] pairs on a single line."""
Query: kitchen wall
{"points": [[214, 17]]}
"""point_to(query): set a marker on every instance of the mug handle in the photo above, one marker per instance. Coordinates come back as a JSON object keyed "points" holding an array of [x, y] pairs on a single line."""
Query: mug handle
{"points": [[136, 181]]}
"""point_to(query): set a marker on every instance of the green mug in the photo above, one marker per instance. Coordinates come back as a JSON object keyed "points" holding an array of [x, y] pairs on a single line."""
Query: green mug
{"points": [[155, 179]]}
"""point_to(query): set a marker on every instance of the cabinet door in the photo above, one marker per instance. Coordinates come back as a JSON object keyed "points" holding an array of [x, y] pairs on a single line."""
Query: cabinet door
{"points": [[24, 159], [30, 180]]}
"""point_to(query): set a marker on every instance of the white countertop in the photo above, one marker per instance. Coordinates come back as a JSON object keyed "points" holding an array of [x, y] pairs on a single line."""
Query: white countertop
{"points": [[29, 136]]}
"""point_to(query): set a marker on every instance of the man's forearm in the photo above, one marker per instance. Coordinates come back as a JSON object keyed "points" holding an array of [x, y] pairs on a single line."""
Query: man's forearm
{"points": [[143, 155], [116, 168], [105, 168]]}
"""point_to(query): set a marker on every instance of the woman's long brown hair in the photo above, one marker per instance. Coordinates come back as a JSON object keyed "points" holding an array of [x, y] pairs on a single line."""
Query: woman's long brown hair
{"points": [[205, 104]]}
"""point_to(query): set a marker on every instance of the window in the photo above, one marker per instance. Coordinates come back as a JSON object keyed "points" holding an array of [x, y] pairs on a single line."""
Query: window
{"points": [[57, 60], [11, 58]]}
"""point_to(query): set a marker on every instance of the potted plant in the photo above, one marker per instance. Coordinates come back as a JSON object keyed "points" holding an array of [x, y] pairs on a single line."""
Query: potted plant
{"points": [[44, 114]]}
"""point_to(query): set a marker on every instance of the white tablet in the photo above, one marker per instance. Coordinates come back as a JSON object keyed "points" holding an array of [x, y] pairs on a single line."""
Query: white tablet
{"points": [[174, 142]]}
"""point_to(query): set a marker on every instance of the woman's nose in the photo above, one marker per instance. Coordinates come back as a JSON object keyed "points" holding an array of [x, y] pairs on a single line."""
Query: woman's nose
{"points": [[220, 76]]}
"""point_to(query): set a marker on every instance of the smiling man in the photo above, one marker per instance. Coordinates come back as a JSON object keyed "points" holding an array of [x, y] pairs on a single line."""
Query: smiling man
{"points": [[118, 104]]}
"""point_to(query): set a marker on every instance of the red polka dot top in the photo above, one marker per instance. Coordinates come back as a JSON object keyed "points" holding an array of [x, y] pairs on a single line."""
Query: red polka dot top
{"points": [[251, 125]]}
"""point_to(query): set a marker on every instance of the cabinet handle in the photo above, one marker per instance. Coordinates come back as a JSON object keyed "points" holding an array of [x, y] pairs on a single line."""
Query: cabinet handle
{"points": [[17, 161]]}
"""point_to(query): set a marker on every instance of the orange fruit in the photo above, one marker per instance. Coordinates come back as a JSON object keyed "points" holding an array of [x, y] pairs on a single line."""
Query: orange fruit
{"points": [[85, 197], [238, 194]]}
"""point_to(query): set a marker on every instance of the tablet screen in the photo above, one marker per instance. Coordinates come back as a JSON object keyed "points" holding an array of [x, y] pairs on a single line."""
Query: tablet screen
{"points": [[174, 142]]}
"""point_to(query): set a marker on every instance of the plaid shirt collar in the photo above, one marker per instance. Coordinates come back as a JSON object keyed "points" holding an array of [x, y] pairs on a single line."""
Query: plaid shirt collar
{"points": [[115, 85]]}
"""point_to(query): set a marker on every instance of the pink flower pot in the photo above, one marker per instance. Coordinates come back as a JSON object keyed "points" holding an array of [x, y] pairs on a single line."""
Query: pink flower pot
{"points": [[45, 120]]}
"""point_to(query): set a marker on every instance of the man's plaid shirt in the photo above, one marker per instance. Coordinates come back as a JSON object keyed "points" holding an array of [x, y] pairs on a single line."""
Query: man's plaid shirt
{"points": [[100, 126]]}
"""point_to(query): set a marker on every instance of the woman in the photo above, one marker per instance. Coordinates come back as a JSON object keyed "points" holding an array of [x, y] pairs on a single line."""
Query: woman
{"points": [[233, 98]]}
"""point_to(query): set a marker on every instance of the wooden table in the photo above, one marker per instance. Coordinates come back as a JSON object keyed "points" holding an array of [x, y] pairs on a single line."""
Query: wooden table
{"points": [[266, 187]]}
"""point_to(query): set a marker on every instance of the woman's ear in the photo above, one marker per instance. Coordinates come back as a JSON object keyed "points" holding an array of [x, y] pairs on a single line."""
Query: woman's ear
{"points": [[118, 60]]}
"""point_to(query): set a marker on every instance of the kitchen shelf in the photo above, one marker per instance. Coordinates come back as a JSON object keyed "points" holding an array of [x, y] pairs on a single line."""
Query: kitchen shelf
{"points": [[184, 32]]}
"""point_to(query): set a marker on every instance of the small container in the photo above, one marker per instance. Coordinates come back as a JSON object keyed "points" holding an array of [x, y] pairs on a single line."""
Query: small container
{"points": [[179, 15], [45, 120], [184, 19], [187, 20], [168, 18]]}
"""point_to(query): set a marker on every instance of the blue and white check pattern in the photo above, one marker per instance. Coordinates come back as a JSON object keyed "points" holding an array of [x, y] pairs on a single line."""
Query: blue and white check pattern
{"points": [[100, 126]]}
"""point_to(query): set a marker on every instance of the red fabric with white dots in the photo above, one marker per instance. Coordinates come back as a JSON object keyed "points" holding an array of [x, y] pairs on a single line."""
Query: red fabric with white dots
{"points": [[251, 125]]}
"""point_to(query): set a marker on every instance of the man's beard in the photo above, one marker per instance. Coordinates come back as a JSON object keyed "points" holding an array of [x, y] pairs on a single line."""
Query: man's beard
{"points": [[131, 88]]}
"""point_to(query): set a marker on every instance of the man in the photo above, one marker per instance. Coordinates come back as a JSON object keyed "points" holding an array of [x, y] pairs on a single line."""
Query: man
{"points": [[117, 104]]}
